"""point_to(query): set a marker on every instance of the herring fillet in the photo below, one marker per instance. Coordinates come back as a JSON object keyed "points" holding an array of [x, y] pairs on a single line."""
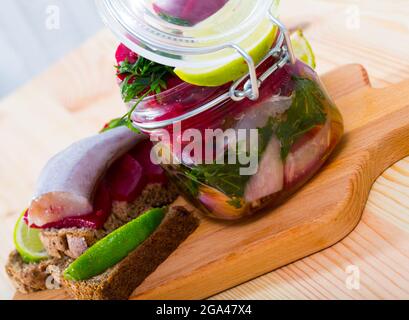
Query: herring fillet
{"points": [[270, 176], [66, 184]]}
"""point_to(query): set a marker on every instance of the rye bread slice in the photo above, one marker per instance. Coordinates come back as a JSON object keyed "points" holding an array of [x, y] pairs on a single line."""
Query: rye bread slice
{"points": [[72, 242], [118, 282], [31, 277]]}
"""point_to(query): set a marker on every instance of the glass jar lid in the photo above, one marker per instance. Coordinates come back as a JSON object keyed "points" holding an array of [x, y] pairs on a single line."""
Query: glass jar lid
{"points": [[187, 33]]}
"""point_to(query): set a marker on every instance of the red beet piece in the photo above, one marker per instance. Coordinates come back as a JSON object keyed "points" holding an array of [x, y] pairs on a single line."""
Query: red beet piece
{"points": [[173, 81], [196, 11], [153, 172], [123, 53], [126, 179], [187, 12], [102, 202]]}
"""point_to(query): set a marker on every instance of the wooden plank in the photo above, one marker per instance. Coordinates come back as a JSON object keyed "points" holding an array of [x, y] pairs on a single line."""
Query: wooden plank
{"points": [[318, 216], [378, 43]]}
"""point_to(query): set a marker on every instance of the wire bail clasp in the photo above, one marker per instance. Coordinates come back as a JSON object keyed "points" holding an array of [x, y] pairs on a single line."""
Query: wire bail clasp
{"points": [[283, 50]]}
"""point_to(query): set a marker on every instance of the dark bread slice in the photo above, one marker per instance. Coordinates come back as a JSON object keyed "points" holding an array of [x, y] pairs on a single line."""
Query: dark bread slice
{"points": [[30, 277], [71, 242], [118, 282]]}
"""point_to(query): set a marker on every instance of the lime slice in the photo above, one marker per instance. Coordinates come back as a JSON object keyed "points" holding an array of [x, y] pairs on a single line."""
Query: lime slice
{"points": [[302, 49], [257, 45], [27, 242], [235, 69], [114, 247]]}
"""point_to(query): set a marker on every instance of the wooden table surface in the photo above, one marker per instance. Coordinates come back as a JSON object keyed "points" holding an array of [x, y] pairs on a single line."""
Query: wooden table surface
{"points": [[374, 258]]}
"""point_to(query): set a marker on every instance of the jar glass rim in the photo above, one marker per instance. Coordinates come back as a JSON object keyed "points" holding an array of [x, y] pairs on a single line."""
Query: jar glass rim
{"points": [[145, 118], [143, 32]]}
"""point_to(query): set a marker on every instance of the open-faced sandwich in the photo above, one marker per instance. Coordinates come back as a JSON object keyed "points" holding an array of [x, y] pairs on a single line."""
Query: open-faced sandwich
{"points": [[101, 219]]}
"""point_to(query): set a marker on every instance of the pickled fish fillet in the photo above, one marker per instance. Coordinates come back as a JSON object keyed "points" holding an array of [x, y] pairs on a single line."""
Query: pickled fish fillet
{"points": [[67, 183], [269, 178]]}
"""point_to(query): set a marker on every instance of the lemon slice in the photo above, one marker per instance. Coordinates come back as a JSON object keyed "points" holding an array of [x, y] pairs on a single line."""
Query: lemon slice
{"points": [[27, 242], [302, 49]]}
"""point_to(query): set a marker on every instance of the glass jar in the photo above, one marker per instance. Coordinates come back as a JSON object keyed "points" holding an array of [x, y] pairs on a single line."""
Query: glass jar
{"points": [[237, 148]]}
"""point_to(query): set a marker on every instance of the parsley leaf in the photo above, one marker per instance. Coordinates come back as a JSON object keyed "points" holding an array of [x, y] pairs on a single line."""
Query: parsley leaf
{"points": [[141, 76], [226, 177], [235, 202], [306, 111], [141, 79]]}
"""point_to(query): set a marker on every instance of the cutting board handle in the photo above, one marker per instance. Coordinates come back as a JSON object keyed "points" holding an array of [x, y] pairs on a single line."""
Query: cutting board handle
{"points": [[377, 131]]}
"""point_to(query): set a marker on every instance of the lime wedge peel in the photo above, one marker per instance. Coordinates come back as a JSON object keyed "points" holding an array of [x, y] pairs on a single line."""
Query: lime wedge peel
{"points": [[302, 48], [28, 243]]}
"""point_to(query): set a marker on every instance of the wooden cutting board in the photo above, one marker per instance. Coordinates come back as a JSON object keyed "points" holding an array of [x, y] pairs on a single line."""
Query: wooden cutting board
{"points": [[220, 255]]}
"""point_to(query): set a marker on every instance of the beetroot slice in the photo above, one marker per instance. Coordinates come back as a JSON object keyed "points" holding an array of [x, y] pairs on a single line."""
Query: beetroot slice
{"points": [[102, 203], [153, 172], [173, 81], [126, 179], [196, 11], [187, 12], [123, 52]]}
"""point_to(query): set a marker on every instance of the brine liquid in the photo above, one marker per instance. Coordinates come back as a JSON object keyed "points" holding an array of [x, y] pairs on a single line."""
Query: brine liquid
{"points": [[297, 125], [275, 180]]}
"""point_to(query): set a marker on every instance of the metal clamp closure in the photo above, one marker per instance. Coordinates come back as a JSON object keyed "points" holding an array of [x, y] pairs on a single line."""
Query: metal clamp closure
{"points": [[282, 51]]}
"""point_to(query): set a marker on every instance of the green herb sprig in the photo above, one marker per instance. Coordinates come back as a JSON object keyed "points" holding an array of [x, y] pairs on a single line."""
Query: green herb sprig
{"points": [[226, 177], [141, 79], [307, 110], [141, 76]]}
